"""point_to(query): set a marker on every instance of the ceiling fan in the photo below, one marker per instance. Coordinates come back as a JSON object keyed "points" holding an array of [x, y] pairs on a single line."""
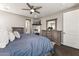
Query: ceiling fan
{"points": [[32, 8]]}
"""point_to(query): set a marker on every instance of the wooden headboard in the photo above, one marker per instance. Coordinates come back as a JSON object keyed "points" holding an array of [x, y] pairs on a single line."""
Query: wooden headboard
{"points": [[19, 29]]}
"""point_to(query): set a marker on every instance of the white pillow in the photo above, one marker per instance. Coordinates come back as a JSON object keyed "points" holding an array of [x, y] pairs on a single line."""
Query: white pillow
{"points": [[53, 43], [11, 36], [4, 38], [17, 34]]}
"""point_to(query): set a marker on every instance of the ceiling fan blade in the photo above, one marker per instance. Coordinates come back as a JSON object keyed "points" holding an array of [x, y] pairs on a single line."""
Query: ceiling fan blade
{"points": [[37, 11], [25, 9], [29, 6], [37, 7]]}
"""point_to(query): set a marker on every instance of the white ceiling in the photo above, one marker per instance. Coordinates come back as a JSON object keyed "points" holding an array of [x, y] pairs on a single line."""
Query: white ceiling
{"points": [[47, 8]]}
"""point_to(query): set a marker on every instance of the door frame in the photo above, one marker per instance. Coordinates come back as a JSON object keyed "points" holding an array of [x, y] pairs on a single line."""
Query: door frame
{"points": [[30, 24]]}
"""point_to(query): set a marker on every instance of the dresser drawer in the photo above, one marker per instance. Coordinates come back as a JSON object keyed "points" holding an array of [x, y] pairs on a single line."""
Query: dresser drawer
{"points": [[43, 33], [53, 36]]}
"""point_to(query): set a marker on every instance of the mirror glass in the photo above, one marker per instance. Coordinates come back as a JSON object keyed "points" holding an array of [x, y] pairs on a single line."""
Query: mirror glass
{"points": [[52, 24]]}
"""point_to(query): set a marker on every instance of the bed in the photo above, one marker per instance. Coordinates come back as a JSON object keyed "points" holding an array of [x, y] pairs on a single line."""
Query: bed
{"points": [[28, 45]]}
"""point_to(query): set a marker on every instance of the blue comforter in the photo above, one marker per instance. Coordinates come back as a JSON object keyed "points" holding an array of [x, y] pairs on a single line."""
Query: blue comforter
{"points": [[28, 45]]}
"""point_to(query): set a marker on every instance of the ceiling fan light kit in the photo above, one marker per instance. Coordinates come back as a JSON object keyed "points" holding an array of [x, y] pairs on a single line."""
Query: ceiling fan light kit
{"points": [[32, 8]]}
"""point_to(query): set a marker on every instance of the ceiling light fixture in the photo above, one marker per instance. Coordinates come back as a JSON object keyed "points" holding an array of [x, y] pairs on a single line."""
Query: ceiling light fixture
{"points": [[32, 10], [35, 16]]}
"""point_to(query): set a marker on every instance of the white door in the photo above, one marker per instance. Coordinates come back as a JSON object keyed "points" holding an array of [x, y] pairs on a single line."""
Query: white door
{"points": [[71, 28], [27, 26]]}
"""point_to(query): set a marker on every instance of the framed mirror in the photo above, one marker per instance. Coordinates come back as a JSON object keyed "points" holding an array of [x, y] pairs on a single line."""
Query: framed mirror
{"points": [[51, 24]]}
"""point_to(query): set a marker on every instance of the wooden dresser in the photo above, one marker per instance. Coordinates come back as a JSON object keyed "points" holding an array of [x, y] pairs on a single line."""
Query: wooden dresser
{"points": [[53, 36]]}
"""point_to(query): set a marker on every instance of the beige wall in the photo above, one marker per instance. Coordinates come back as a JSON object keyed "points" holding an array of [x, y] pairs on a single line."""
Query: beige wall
{"points": [[59, 17], [11, 20]]}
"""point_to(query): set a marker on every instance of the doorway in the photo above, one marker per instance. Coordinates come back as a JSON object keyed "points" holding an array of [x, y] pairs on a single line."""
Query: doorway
{"points": [[28, 26]]}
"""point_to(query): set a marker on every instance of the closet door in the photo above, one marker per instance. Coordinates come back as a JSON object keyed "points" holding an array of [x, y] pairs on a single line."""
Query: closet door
{"points": [[71, 29]]}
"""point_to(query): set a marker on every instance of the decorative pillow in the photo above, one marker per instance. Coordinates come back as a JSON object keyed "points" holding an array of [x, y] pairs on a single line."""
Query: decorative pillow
{"points": [[11, 36], [4, 38], [17, 34]]}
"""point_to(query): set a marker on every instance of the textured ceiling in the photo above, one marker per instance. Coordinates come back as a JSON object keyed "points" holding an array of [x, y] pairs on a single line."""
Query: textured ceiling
{"points": [[47, 8]]}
